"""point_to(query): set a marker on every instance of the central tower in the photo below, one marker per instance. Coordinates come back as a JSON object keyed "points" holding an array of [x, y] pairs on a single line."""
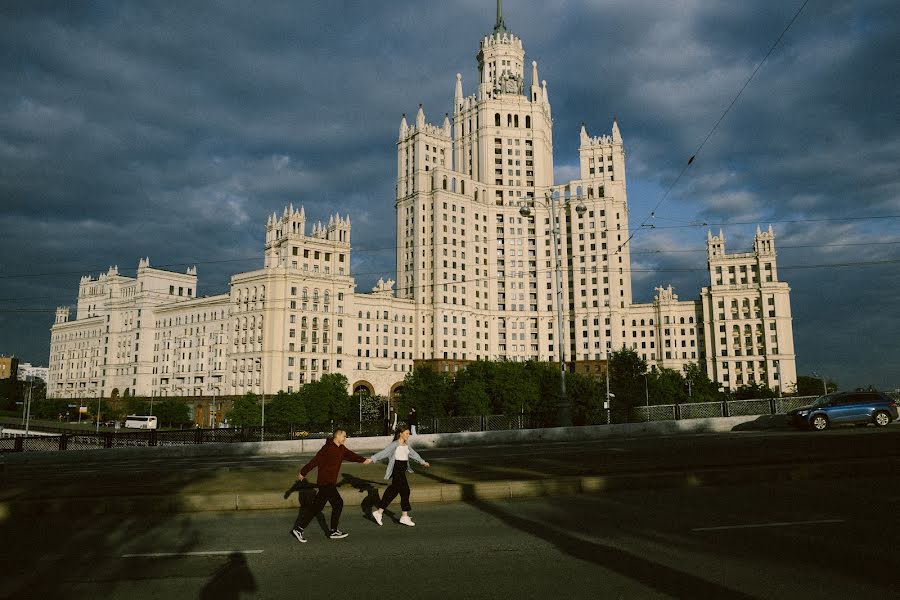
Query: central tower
{"points": [[480, 272]]}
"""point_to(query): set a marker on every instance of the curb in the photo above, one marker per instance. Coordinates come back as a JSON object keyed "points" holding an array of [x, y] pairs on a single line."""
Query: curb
{"points": [[466, 492]]}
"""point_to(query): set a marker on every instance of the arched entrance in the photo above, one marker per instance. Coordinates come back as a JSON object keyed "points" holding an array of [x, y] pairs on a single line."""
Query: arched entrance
{"points": [[363, 387]]}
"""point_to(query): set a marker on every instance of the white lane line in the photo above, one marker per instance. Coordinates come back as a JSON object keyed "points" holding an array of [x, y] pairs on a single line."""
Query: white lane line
{"points": [[775, 524], [174, 554]]}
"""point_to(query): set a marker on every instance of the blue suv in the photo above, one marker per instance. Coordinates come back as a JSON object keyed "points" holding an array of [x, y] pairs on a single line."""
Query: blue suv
{"points": [[845, 408]]}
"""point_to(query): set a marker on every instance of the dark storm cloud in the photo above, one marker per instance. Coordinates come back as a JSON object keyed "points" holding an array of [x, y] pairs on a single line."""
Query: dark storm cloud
{"points": [[132, 129]]}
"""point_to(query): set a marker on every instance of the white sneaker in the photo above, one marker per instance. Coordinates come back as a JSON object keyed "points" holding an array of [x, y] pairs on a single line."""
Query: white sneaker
{"points": [[377, 515], [407, 521]]}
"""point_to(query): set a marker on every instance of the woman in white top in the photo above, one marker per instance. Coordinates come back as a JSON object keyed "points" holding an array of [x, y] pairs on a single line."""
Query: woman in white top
{"points": [[398, 454]]}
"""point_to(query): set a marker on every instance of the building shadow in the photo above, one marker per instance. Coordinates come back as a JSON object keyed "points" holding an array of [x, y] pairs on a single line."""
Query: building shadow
{"points": [[654, 575], [230, 581]]}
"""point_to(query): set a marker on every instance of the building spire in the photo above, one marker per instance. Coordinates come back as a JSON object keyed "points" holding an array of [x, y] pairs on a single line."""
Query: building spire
{"points": [[500, 26]]}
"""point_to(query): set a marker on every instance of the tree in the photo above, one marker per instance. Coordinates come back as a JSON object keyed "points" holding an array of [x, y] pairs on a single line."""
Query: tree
{"points": [[701, 389], [373, 408], [246, 412], [286, 409], [136, 405], [172, 412], [808, 385], [470, 395], [512, 388], [327, 400], [428, 391], [753, 391], [667, 386], [626, 378]]}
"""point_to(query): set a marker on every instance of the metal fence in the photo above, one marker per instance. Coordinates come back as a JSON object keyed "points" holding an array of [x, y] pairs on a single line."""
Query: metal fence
{"points": [[69, 439]]}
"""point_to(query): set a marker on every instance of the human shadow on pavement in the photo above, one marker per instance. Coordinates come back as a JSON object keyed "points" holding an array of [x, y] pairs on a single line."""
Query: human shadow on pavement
{"points": [[371, 497], [233, 579], [306, 492], [660, 577]]}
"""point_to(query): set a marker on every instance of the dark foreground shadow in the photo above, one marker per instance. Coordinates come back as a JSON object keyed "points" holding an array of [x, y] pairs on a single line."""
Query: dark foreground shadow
{"points": [[230, 581], [763, 423]]}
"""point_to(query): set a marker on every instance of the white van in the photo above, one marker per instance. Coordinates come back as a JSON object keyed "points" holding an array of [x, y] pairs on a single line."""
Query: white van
{"points": [[140, 422]]}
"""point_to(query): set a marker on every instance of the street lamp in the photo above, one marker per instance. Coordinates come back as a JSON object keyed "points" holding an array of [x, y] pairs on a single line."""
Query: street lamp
{"points": [[824, 387], [554, 207], [262, 430], [27, 407], [646, 394]]}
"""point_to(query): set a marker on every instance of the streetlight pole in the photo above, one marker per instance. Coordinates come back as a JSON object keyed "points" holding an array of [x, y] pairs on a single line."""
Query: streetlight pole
{"points": [[262, 429], [28, 405], [824, 387], [647, 394], [554, 207]]}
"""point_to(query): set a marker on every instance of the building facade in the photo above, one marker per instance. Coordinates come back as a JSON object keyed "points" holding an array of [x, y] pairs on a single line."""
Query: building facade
{"points": [[479, 276]]}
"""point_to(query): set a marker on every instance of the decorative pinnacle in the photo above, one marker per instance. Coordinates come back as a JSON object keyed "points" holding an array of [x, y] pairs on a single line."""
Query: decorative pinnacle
{"points": [[500, 26]]}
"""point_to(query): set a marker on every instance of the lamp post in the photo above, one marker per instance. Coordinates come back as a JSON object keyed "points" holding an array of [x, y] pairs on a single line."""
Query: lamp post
{"points": [[824, 387], [554, 207], [262, 429], [646, 394], [28, 404]]}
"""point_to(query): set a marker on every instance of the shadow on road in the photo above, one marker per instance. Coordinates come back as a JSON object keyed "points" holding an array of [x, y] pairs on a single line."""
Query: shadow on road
{"points": [[655, 575], [231, 580], [72, 536]]}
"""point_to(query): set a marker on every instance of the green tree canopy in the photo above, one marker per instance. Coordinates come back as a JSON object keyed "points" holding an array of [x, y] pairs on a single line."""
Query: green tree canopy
{"points": [[701, 389], [246, 412], [666, 386], [285, 410], [807, 385], [327, 400], [172, 412], [626, 378], [428, 391]]}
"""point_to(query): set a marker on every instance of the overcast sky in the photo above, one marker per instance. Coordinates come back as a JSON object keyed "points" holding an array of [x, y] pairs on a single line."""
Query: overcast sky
{"points": [[172, 129]]}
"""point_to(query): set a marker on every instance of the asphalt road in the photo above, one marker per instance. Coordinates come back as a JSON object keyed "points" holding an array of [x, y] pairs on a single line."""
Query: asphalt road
{"points": [[813, 539], [105, 474]]}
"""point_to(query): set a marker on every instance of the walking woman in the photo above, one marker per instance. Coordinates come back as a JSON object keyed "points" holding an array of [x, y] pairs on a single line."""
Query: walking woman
{"points": [[398, 454]]}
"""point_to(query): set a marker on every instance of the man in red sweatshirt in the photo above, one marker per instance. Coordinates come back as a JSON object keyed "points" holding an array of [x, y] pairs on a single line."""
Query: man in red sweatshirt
{"points": [[328, 460]]}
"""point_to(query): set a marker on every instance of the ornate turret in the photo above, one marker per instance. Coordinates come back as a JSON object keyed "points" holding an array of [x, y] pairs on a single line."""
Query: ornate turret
{"points": [[715, 245]]}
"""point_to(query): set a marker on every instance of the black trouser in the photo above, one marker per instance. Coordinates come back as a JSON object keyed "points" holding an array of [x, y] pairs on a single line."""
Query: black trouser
{"points": [[399, 485], [326, 493]]}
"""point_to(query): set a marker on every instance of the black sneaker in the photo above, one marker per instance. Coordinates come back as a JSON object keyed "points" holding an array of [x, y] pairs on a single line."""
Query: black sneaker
{"points": [[337, 534], [297, 532]]}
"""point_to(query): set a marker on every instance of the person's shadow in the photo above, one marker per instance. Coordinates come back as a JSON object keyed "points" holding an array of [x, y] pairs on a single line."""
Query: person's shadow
{"points": [[306, 492], [230, 580], [371, 499]]}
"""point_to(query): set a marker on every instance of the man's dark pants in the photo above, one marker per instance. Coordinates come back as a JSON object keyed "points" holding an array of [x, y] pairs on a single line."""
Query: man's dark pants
{"points": [[326, 494]]}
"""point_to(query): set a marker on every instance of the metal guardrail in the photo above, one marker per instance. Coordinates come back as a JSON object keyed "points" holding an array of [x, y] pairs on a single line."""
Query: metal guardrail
{"points": [[69, 439]]}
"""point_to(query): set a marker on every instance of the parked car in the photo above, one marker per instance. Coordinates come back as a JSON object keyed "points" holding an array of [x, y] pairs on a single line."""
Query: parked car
{"points": [[845, 408]]}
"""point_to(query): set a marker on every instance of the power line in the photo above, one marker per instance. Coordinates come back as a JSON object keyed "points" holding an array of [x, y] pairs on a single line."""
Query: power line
{"points": [[716, 124]]}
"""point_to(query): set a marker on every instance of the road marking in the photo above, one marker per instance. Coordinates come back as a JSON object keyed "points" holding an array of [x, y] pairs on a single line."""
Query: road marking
{"points": [[775, 524], [175, 554]]}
